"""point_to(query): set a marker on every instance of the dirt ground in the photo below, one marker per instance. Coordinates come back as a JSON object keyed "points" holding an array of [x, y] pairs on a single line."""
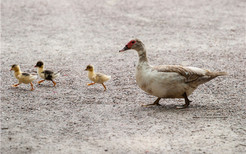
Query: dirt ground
{"points": [[73, 118]]}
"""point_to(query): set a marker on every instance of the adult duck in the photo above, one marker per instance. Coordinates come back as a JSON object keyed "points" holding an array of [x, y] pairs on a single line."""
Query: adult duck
{"points": [[167, 81]]}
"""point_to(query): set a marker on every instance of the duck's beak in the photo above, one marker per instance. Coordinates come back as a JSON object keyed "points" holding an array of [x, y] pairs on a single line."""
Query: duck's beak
{"points": [[124, 49]]}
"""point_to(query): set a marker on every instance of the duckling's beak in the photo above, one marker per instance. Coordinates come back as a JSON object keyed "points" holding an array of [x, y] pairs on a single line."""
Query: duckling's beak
{"points": [[86, 69], [124, 49], [11, 69]]}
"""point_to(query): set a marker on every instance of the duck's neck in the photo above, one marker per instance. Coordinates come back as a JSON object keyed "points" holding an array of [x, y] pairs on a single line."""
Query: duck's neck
{"points": [[142, 57], [40, 69], [17, 73], [91, 73]]}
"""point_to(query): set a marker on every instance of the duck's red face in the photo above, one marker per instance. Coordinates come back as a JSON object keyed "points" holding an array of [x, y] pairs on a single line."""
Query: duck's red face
{"points": [[128, 46]]}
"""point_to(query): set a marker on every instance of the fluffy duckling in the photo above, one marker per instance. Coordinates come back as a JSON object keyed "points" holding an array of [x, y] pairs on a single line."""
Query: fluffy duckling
{"points": [[22, 77], [167, 81], [46, 74], [96, 77]]}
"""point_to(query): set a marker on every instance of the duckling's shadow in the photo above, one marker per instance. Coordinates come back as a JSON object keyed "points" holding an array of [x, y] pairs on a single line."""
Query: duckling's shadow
{"points": [[19, 89], [45, 85], [95, 90]]}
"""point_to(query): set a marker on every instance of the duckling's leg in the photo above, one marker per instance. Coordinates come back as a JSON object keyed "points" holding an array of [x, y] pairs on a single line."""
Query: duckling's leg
{"points": [[187, 102], [104, 87], [54, 82], [155, 103], [89, 84], [15, 85], [32, 87], [40, 81]]}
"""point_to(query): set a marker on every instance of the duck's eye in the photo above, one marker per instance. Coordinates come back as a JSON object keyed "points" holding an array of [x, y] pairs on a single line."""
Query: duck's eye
{"points": [[133, 42]]}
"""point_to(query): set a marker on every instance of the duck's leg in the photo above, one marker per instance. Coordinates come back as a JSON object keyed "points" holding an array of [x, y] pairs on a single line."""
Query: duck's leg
{"points": [[155, 103], [54, 82], [40, 81], [32, 87], [104, 87], [15, 85], [89, 84], [187, 102]]}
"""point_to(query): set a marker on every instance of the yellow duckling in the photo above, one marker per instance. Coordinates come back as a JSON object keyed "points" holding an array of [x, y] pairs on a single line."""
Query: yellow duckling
{"points": [[96, 77], [22, 77]]}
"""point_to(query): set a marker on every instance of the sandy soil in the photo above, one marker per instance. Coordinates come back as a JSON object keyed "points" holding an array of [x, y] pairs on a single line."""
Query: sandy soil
{"points": [[73, 118]]}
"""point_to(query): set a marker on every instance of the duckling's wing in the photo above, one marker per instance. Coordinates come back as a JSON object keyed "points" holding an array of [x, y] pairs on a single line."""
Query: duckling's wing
{"points": [[190, 73], [47, 72], [102, 77], [48, 75], [28, 77], [99, 77], [25, 74]]}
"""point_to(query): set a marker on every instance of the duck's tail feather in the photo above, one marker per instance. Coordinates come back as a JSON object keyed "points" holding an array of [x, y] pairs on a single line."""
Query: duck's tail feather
{"points": [[34, 77], [215, 74], [207, 77], [56, 74], [109, 77]]}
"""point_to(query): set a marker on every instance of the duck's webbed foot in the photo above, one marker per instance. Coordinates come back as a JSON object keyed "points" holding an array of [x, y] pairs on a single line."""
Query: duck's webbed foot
{"points": [[187, 102], [104, 87], [54, 83], [155, 103], [31, 87], [40, 81], [15, 85], [89, 84]]}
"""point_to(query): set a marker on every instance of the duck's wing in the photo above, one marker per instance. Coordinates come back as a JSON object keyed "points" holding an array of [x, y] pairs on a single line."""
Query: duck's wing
{"points": [[48, 75], [25, 74], [47, 72], [28, 76], [100, 77], [190, 73]]}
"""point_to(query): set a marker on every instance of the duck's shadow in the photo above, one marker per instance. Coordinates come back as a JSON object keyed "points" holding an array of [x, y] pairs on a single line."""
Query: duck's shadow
{"points": [[19, 89], [95, 90], [173, 108], [45, 86]]}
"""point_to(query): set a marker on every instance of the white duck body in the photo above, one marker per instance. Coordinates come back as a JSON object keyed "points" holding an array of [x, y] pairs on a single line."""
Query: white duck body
{"points": [[164, 84]]}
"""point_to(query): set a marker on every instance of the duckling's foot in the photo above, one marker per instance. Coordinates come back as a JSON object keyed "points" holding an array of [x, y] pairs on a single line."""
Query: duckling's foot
{"points": [[32, 87], [104, 87], [155, 103], [54, 83], [40, 81], [89, 84], [15, 85], [187, 102]]}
